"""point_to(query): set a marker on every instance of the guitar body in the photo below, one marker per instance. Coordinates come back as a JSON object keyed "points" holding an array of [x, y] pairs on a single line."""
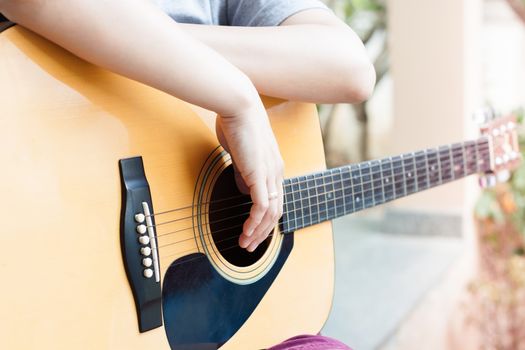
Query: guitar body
{"points": [[65, 126]]}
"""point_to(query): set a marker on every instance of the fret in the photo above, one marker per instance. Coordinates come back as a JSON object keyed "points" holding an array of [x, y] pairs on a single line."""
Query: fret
{"points": [[464, 153], [458, 166], [368, 192], [388, 185], [305, 201], [312, 198], [289, 207], [321, 197], [409, 170], [347, 189], [403, 171], [416, 171], [399, 178], [477, 157], [451, 156], [440, 180], [377, 182], [339, 199], [330, 198], [297, 203], [445, 162], [433, 167], [471, 158], [484, 153], [357, 187], [421, 168]]}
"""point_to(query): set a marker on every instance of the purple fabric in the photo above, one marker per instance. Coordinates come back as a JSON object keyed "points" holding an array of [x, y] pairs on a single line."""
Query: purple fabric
{"points": [[312, 342]]}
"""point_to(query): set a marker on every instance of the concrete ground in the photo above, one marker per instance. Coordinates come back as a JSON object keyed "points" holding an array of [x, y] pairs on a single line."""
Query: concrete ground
{"points": [[380, 278]]}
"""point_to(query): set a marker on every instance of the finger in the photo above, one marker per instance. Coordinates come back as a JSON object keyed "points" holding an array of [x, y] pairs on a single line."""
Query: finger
{"points": [[259, 194], [262, 231], [271, 217]]}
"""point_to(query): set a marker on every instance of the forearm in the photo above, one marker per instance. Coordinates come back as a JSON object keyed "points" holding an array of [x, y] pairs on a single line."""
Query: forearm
{"points": [[307, 62], [135, 39]]}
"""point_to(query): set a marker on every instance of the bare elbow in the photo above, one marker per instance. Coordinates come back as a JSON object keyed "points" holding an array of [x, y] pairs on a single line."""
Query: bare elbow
{"points": [[360, 82], [354, 71]]}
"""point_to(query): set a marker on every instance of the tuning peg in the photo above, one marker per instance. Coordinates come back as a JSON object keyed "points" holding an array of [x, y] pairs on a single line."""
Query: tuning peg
{"points": [[488, 180], [483, 115]]}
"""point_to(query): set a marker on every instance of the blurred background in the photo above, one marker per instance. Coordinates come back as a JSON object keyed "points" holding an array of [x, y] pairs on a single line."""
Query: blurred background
{"points": [[442, 269]]}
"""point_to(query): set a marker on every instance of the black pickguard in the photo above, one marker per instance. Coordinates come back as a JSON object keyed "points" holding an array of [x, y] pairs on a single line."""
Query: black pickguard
{"points": [[202, 310]]}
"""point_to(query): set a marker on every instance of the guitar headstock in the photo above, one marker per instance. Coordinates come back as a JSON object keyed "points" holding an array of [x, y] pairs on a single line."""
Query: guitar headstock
{"points": [[502, 135]]}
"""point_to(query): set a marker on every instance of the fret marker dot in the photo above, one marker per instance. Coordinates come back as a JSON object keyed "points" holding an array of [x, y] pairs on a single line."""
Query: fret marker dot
{"points": [[357, 199], [433, 168], [329, 195], [409, 174]]}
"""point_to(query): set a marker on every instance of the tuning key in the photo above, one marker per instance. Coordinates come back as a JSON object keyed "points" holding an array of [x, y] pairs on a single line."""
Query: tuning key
{"points": [[483, 115], [487, 180]]}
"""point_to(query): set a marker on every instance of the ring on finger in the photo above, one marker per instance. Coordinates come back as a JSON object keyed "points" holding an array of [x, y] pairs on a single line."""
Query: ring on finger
{"points": [[273, 195]]}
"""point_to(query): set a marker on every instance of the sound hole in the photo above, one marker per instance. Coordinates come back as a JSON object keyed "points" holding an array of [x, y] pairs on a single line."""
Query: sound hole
{"points": [[229, 209]]}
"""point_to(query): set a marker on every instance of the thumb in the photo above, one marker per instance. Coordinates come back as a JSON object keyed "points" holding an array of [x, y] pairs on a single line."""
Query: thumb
{"points": [[241, 184]]}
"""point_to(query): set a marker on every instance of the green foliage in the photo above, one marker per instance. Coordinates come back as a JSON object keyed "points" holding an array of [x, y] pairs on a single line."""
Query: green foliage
{"points": [[352, 7], [488, 207]]}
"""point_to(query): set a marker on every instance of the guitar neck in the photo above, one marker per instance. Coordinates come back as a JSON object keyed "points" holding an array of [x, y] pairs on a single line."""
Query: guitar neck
{"points": [[329, 194]]}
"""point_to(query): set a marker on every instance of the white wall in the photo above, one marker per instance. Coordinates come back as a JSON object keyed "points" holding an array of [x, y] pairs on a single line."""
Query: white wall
{"points": [[434, 47]]}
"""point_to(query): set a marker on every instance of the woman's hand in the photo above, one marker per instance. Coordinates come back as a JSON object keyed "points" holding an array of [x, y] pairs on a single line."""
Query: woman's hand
{"points": [[248, 137]]}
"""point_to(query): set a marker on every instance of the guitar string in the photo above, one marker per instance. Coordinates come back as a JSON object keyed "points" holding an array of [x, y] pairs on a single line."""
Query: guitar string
{"points": [[284, 222], [333, 199], [364, 198], [194, 205], [448, 167], [207, 245], [163, 257], [479, 145], [221, 250], [352, 187]]}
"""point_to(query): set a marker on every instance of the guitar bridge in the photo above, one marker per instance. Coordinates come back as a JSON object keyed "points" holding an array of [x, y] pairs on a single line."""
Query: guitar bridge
{"points": [[139, 243]]}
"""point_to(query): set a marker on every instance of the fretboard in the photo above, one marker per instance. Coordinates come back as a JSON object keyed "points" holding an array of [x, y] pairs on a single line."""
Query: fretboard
{"points": [[317, 197]]}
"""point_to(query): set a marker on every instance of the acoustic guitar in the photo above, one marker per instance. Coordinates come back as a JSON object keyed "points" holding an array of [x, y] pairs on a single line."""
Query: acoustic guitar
{"points": [[121, 216]]}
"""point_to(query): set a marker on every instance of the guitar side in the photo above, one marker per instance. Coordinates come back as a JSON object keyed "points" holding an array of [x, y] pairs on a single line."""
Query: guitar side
{"points": [[65, 126]]}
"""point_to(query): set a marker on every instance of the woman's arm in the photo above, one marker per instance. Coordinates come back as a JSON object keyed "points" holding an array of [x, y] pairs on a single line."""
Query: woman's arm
{"points": [[135, 39], [312, 56]]}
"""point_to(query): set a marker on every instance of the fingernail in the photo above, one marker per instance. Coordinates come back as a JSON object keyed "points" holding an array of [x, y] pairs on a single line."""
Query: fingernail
{"points": [[251, 248], [249, 232], [243, 243]]}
